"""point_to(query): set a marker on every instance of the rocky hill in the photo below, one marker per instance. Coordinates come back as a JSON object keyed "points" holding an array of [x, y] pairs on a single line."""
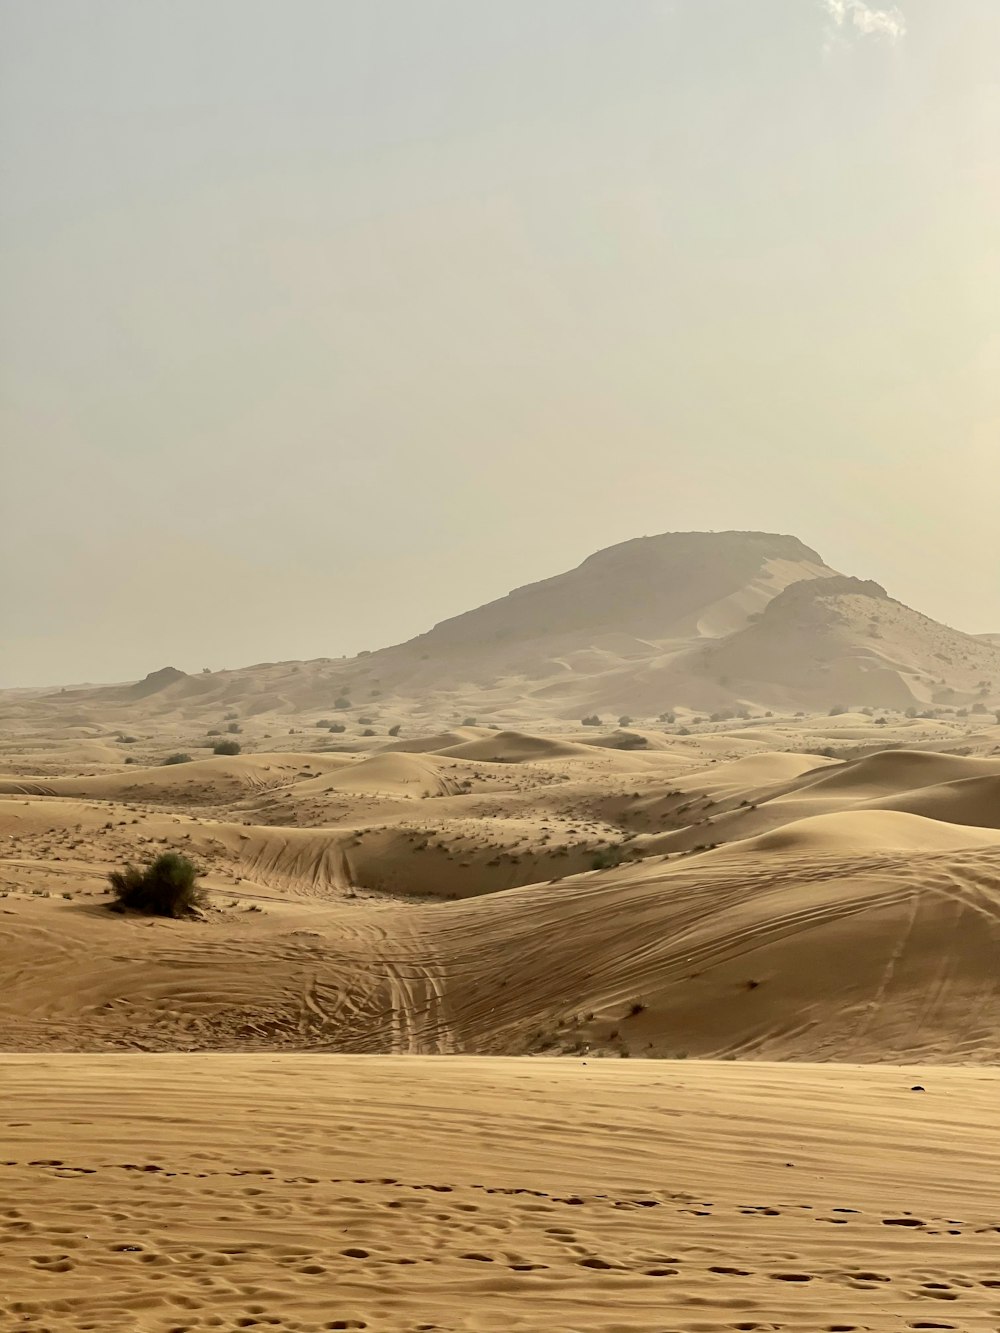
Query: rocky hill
{"points": [[698, 620]]}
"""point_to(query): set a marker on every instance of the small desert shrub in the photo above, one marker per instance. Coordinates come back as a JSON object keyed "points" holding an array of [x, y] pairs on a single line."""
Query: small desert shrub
{"points": [[230, 715], [368, 732], [342, 703], [469, 722], [234, 728], [606, 858], [394, 731], [178, 758], [837, 710], [630, 741], [366, 721], [323, 722], [168, 887], [214, 732], [336, 726], [592, 721], [226, 747], [624, 720]]}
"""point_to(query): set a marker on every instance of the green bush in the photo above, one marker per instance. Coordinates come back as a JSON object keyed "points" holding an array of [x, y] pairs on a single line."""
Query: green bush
{"points": [[178, 758], [168, 887], [226, 747], [592, 721], [607, 857], [628, 740], [336, 726]]}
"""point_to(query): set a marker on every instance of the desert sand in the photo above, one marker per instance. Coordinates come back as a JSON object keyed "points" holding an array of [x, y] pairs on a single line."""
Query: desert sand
{"points": [[533, 896], [748, 935], [175, 1192]]}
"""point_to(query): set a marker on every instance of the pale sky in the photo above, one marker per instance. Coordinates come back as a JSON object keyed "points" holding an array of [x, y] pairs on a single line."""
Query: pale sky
{"points": [[323, 320]]}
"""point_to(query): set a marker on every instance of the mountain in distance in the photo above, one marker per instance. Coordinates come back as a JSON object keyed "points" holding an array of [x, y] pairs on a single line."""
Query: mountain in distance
{"points": [[698, 620]]}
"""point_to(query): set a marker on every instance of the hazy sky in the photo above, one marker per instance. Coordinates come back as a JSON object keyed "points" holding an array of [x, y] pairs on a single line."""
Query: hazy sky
{"points": [[326, 319]]}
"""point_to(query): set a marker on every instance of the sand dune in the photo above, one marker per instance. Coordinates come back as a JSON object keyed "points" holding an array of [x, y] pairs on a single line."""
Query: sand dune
{"points": [[219, 777], [505, 892], [413, 775], [313, 1193], [973, 801], [898, 770], [869, 831], [511, 747], [739, 952]]}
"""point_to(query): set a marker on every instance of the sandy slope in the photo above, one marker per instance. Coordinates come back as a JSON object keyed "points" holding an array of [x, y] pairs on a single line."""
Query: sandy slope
{"points": [[874, 936], [161, 1194], [434, 901]]}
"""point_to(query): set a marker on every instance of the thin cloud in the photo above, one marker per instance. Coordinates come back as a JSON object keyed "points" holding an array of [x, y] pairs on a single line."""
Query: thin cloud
{"points": [[888, 23]]}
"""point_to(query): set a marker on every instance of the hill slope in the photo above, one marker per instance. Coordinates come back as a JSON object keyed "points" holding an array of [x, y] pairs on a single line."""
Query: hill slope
{"points": [[702, 621], [844, 639]]}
